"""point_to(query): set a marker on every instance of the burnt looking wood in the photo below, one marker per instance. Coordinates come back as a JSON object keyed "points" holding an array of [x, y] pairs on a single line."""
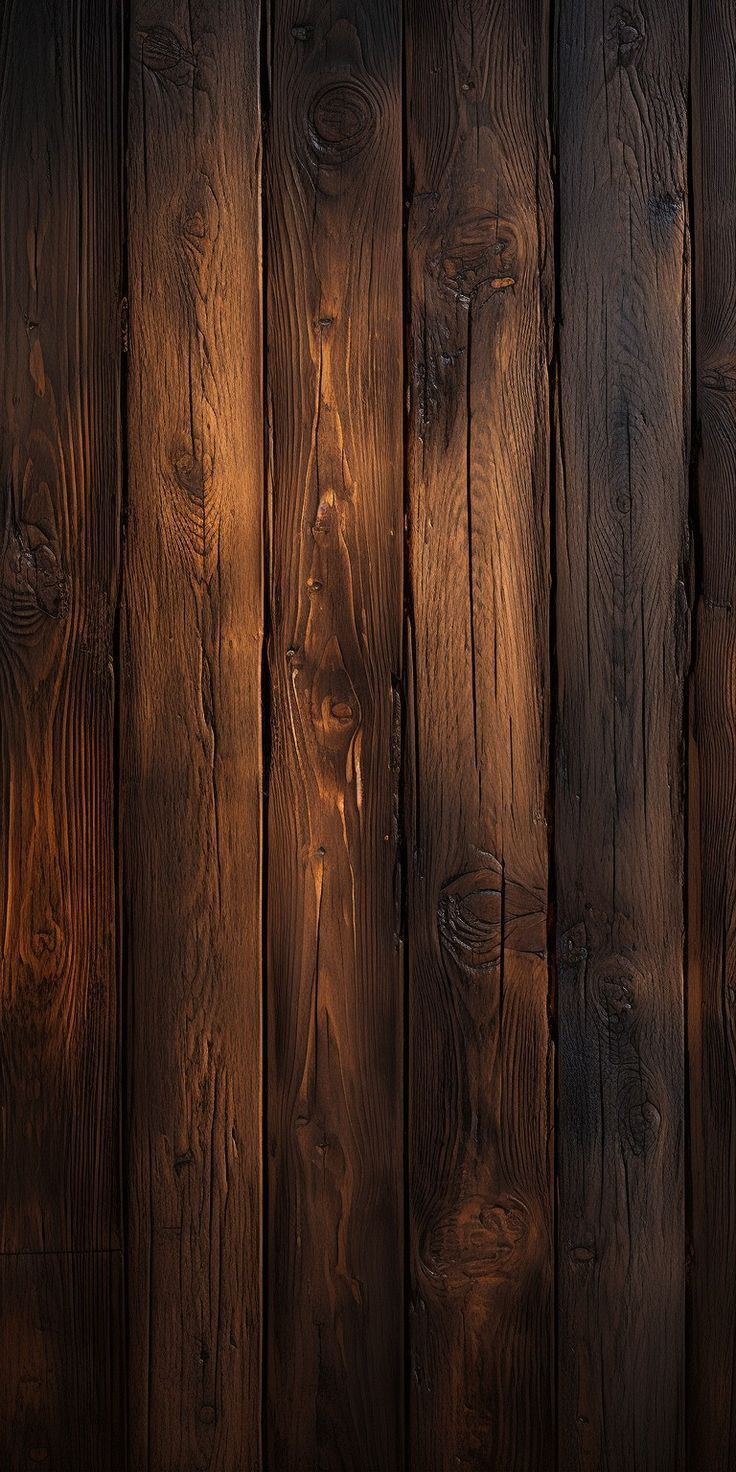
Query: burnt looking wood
{"points": [[367, 736]]}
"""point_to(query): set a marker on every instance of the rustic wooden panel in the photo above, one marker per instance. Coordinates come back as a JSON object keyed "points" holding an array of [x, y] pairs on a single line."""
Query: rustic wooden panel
{"points": [[622, 651], [712, 786], [191, 740], [61, 1347], [481, 301], [335, 989]]}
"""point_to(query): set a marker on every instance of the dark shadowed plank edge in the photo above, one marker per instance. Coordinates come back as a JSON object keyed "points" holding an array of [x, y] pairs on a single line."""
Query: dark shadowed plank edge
{"points": [[712, 785], [60, 262], [622, 651]]}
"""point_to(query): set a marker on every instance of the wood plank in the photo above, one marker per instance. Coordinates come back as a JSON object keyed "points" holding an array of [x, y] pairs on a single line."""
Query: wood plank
{"points": [[60, 1312], [335, 968], [622, 651], [191, 737], [481, 298], [60, 260], [60, 473], [712, 785]]}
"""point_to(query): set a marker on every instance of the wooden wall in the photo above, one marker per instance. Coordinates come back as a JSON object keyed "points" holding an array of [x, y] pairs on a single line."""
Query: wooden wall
{"points": [[367, 736]]}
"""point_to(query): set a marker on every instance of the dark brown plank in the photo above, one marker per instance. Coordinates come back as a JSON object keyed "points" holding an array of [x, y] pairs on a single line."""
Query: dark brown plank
{"points": [[60, 252], [61, 1346], [191, 737], [712, 784], [622, 650], [480, 275], [335, 1038], [59, 469]]}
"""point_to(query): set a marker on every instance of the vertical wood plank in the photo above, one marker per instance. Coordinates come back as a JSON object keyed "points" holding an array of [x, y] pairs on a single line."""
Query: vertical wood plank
{"points": [[480, 303], [622, 649], [712, 784], [191, 737], [335, 972], [60, 254], [59, 464]]}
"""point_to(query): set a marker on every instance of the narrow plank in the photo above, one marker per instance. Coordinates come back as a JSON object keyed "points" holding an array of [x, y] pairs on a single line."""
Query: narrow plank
{"points": [[481, 299], [60, 472], [712, 785], [335, 967], [60, 254], [191, 739], [622, 649], [59, 1310]]}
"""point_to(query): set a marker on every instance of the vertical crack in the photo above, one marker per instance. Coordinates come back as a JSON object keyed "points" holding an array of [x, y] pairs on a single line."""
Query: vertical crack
{"points": [[266, 700], [554, 443]]}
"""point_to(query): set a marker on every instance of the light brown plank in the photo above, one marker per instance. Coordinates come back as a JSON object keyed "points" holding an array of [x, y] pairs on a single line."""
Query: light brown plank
{"points": [[191, 737], [335, 969]]}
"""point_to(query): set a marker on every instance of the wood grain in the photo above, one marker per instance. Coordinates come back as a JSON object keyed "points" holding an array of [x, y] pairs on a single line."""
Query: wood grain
{"points": [[481, 299], [622, 653], [712, 785], [191, 651], [61, 1348], [334, 956], [60, 251], [60, 470]]}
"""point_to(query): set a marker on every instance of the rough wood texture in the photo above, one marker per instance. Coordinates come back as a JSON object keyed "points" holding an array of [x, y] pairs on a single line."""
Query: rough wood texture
{"points": [[60, 229], [345, 681], [191, 738], [712, 831], [59, 467], [481, 301], [622, 651], [335, 967], [61, 1348]]}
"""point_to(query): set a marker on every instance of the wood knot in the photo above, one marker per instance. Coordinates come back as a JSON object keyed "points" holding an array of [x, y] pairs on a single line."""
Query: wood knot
{"points": [[483, 910], [162, 51], [33, 577], [582, 1254], [639, 1117], [341, 121], [479, 1241], [199, 216], [476, 257], [626, 36], [192, 469]]}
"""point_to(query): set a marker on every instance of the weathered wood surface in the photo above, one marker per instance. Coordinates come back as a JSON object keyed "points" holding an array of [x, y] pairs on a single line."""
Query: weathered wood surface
{"points": [[712, 784], [334, 350], [191, 635], [367, 851], [480, 303], [622, 651]]}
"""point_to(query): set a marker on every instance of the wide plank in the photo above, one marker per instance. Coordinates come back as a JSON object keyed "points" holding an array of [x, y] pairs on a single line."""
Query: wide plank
{"points": [[191, 742], [712, 769], [480, 1113], [622, 651], [334, 1107]]}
